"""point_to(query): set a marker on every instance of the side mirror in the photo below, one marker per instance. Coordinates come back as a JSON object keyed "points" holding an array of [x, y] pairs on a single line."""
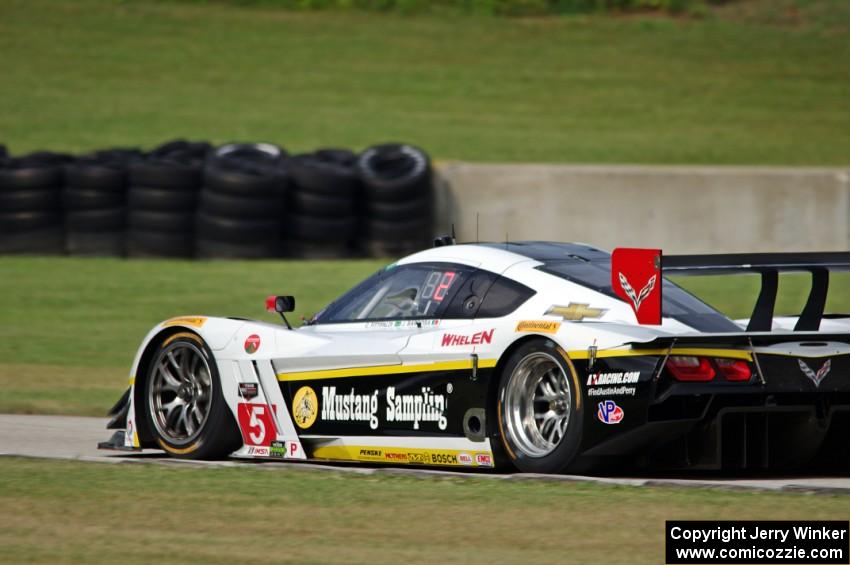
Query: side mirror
{"points": [[280, 304]]}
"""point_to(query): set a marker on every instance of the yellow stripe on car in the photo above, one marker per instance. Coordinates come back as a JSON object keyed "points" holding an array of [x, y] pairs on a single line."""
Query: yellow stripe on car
{"points": [[699, 351], [466, 364], [378, 370], [404, 455], [194, 321]]}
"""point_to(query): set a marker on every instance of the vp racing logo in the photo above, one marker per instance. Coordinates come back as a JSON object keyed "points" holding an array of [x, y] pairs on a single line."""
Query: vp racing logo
{"points": [[815, 377], [637, 298], [609, 412]]}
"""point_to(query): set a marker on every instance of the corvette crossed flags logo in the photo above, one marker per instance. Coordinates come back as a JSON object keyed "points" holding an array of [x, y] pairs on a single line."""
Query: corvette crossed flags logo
{"points": [[637, 299], [813, 376]]}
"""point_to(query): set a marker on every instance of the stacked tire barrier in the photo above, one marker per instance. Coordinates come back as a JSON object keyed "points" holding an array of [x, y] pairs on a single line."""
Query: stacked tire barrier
{"points": [[31, 203], [241, 207], [186, 199], [324, 210], [163, 199], [398, 197], [94, 199]]}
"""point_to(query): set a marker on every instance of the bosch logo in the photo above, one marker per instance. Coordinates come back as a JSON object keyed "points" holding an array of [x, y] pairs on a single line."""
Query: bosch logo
{"points": [[443, 459]]}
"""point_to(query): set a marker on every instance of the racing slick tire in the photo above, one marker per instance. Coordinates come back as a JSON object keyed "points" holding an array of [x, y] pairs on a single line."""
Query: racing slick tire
{"points": [[29, 199], [16, 222], [315, 204], [232, 230], [166, 174], [106, 219], [91, 199], [245, 183], [48, 240], [383, 230], [151, 243], [150, 220], [395, 172], [317, 229], [239, 207], [399, 211], [97, 176], [161, 199], [25, 176], [328, 172], [539, 409], [95, 243], [212, 249], [184, 404]]}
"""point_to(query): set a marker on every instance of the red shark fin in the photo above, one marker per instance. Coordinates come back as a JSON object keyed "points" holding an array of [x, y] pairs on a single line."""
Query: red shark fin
{"points": [[636, 278]]}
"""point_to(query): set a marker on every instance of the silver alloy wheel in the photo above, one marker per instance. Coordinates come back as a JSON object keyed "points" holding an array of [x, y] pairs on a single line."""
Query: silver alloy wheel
{"points": [[537, 404], [180, 394]]}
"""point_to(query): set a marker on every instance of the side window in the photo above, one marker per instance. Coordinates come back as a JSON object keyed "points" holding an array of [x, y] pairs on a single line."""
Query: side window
{"points": [[411, 291], [469, 295], [503, 297], [487, 295]]}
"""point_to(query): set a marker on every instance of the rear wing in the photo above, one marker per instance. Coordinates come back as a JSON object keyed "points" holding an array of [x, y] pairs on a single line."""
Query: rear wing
{"points": [[634, 264]]}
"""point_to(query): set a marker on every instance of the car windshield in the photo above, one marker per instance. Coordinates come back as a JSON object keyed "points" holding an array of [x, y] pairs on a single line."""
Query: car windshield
{"points": [[395, 293], [677, 303]]}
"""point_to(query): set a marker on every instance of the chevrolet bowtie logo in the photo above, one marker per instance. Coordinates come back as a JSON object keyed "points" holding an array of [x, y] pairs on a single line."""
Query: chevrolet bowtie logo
{"points": [[575, 312]]}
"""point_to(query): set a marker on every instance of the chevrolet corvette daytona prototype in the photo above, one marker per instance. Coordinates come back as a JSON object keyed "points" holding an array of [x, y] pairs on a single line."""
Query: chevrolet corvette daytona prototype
{"points": [[540, 357]]}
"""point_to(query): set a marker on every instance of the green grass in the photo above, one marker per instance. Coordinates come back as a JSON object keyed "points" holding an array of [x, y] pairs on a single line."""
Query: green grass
{"points": [[140, 514], [591, 88], [69, 327], [736, 295], [94, 312]]}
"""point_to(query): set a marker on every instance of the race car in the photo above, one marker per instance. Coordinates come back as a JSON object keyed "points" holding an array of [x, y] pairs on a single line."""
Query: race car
{"points": [[530, 356]]}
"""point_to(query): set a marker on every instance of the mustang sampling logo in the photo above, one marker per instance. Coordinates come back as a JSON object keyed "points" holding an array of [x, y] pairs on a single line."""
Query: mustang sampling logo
{"points": [[350, 407], [813, 376], [424, 407], [305, 407], [637, 299]]}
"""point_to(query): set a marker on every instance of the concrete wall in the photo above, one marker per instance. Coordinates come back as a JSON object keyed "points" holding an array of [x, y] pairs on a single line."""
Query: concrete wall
{"points": [[679, 209]]}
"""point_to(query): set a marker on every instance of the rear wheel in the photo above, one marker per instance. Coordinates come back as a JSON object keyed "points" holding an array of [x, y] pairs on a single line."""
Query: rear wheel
{"points": [[540, 408], [185, 407]]}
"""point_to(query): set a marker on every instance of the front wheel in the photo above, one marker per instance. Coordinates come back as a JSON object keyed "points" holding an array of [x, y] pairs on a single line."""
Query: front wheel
{"points": [[185, 407], [540, 408]]}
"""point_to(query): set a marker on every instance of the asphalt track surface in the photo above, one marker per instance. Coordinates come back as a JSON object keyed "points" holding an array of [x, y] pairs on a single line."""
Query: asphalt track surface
{"points": [[75, 438]]}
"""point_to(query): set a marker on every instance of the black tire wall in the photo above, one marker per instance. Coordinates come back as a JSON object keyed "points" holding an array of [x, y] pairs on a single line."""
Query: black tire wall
{"points": [[241, 200], [163, 198], [398, 198], [94, 197], [325, 206], [31, 203]]}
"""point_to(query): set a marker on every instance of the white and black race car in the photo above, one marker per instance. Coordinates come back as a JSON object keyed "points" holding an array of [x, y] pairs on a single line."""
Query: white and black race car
{"points": [[540, 357]]}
